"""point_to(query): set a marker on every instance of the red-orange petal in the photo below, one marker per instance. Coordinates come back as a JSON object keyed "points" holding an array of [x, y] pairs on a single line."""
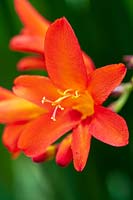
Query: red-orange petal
{"points": [[64, 153], [5, 94], [26, 31], [81, 139], [35, 88], [63, 56], [11, 135], [90, 66], [27, 43], [43, 131], [31, 18], [104, 80], [31, 63], [109, 127], [17, 109], [13, 108]]}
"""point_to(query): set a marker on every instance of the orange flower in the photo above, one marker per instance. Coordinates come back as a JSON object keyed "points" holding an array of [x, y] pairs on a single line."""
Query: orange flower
{"points": [[69, 100], [31, 38]]}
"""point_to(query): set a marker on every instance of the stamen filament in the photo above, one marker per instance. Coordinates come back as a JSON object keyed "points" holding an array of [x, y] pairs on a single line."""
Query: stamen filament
{"points": [[66, 91], [60, 99]]}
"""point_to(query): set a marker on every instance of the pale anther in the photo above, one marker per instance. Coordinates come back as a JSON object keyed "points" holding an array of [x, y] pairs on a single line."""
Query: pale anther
{"points": [[61, 107], [43, 100]]}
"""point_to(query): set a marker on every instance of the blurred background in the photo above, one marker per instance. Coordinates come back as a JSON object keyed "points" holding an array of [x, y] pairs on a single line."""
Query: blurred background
{"points": [[105, 31]]}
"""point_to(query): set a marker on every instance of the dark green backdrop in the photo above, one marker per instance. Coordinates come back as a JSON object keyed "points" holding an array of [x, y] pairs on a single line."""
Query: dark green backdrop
{"points": [[105, 31]]}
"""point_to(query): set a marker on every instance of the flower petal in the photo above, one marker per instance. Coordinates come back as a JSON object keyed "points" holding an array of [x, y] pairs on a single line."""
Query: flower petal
{"points": [[31, 63], [27, 43], [90, 66], [5, 94], [109, 127], [13, 108], [35, 88], [11, 135], [63, 56], [81, 139], [17, 109], [31, 18], [42, 132], [64, 153], [104, 80]]}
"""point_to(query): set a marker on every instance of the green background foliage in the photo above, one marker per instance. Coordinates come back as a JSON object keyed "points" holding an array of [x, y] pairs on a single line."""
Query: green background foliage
{"points": [[105, 31]]}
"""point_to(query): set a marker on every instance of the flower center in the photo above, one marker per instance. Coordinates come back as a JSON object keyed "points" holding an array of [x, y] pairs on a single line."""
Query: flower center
{"points": [[69, 93], [84, 104], [70, 98]]}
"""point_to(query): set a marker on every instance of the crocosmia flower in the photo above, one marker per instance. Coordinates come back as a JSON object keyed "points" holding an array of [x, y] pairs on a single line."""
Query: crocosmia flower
{"points": [[31, 37], [69, 102]]}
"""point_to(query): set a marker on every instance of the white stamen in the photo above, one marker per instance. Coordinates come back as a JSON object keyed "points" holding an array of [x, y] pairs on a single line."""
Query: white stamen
{"points": [[64, 95], [44, 100]]}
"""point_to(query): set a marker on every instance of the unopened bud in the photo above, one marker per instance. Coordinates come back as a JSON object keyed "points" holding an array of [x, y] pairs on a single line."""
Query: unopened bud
{"points": [[129, 61], [64, 153]]}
